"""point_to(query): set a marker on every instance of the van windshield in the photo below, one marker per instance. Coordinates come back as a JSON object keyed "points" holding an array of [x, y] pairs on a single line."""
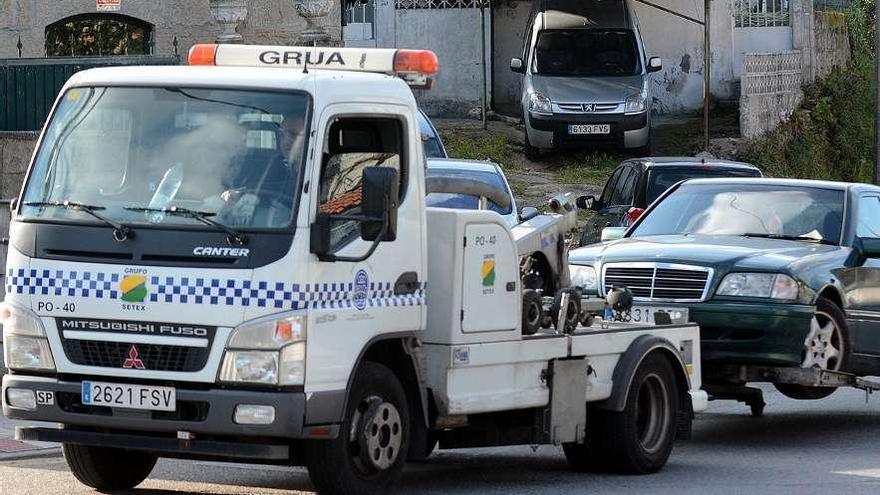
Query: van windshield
{"points": [[234, 155], [587, 52]]}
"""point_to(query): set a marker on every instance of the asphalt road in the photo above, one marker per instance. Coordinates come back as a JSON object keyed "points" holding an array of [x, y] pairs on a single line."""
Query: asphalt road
{"points": [[821, 447]]}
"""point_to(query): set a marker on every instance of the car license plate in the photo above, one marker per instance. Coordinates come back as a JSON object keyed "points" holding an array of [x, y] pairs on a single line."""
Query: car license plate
{"points": [[129, 396], [645, 314], [589, 129]]}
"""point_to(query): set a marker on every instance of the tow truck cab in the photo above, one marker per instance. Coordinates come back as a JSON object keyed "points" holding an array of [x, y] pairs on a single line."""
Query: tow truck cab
{"points": [[231, 261]]}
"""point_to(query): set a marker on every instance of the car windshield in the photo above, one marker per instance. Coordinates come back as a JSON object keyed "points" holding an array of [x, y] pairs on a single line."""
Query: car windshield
{"points": [[430, 139], [586, 52], [233, 155], [747, 209], [662, 178], [466, 201]]}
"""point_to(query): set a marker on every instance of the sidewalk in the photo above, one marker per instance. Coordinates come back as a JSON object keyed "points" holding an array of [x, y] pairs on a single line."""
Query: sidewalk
{"points": [[10, 448]]}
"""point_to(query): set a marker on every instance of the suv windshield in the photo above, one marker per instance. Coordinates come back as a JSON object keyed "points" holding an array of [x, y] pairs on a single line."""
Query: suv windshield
{"points": [[586, 52], [662, 178], [747, 210], [230, 154]]}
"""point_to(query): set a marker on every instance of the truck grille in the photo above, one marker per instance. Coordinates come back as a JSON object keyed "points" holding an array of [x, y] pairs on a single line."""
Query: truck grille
{"points": [[155, 357], [658, 281]]}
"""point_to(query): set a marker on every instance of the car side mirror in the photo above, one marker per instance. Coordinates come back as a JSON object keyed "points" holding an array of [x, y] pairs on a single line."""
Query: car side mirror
{"points": [[587, 203], [516, 65], [528, 213], [378, 219], [655, 64], [869, 247], [613, 233]]}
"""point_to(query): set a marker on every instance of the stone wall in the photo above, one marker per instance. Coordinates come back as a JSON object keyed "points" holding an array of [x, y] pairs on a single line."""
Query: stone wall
{"points": [[190, 21], [771, 90], [832, 42], [16, 149]]}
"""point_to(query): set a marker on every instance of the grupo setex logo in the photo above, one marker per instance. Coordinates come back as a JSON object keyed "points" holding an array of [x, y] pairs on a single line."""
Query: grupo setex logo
{"points": [[134, 288]]}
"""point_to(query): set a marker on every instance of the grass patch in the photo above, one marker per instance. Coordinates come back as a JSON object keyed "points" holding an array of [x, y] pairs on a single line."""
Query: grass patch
{"points": [[479, 146], [589, 168], [832, 137]]}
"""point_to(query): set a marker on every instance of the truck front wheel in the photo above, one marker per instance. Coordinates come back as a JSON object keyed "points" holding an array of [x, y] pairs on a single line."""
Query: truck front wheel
{"points": [[368, 455], [106, 469]]}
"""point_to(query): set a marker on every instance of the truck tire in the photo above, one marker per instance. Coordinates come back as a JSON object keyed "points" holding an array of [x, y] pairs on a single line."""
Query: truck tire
{"points": [[106, 469], [638, 440], [826, 313], [368, 455], [532, 312]]}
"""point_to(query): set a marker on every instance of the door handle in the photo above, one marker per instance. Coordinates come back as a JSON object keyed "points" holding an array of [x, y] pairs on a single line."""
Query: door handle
{"points": [[407, 283]]}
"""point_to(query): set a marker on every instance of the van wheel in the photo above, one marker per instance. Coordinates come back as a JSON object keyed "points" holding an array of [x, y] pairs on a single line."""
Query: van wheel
{"points": [[532, 153], [106, 469], [637, 440], [825, 348], [368, 455], [532, 312]]}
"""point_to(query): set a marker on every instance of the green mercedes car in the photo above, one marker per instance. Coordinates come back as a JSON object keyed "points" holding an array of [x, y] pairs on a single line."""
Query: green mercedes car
{"points": [[775, 272]]}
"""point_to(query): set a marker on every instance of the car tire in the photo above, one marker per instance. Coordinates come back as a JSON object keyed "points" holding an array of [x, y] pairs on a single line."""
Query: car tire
{"points": [[826, 312], [532, 312], [107, 469], [628, 441], [369, 454]]}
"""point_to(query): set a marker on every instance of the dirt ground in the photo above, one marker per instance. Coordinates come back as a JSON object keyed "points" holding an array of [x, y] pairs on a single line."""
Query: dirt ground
{"points": [[579, 172]]}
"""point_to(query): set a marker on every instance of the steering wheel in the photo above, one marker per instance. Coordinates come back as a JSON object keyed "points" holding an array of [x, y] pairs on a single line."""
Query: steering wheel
{"points": [[263, 197]]}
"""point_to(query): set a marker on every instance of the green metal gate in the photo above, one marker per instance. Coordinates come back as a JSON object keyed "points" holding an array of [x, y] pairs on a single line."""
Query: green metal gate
{"points": [[28, 86]]}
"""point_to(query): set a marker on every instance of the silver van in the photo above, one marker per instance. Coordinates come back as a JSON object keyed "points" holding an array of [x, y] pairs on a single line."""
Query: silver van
{"points": [[585, 77]]}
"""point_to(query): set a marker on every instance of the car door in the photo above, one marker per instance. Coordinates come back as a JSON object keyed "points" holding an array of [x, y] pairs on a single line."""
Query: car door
{"points": [[595, 226], [864, 298]]}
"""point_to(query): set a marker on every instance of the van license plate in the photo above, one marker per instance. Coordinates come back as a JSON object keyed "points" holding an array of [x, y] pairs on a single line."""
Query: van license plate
{"points": [[645, 314], [589, 129], [128, 396]]}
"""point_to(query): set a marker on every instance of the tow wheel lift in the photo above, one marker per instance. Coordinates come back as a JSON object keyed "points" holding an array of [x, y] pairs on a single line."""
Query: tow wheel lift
{"points": [[735, 388]]}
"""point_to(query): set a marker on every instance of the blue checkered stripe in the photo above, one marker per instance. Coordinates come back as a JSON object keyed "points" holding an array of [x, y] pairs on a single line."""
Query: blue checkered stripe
{"points": [[62, 283], [212, 291]]}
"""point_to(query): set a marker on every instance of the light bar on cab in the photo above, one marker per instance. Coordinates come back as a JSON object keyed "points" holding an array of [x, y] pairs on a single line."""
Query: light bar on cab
{"points": [[418, 63]]}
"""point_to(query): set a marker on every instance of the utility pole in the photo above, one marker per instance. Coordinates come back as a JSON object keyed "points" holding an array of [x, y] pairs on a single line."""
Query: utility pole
{"points": [[707, 74], [877, 92], [484, 98]]}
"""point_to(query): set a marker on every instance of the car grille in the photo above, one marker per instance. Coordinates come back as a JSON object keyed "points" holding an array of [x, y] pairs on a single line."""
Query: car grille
{"points": [[155, 357], [579, 108], [659, 281]]}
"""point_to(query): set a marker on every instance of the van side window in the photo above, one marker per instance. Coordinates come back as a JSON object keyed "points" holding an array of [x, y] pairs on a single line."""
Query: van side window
{"points": [[352, 145]]}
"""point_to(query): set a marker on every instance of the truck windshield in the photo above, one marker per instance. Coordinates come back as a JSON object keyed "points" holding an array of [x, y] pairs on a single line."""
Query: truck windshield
{"points": [[235, 155], [747, 210], [586, 52]]}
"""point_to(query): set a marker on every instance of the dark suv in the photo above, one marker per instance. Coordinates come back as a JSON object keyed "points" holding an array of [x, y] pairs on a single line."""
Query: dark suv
{"points": [[636, 183]]}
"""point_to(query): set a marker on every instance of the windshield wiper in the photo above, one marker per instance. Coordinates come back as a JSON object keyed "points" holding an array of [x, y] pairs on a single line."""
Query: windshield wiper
{"points": [[120, 232], [233, 237], [790, 238]]}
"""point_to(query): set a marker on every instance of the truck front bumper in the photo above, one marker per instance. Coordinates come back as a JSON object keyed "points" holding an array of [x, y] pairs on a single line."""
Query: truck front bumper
{"points": [[199, 412]]}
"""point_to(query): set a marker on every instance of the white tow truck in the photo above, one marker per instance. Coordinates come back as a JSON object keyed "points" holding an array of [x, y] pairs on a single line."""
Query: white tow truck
{"points": [[233, 261]]}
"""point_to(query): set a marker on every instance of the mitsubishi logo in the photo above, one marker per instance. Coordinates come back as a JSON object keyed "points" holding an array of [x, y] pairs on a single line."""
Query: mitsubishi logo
{"points": [[133, 361], [589, 107]]}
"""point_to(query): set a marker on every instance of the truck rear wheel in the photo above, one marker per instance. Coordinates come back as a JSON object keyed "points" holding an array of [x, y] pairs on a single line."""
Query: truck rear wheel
{"points": [[368, 455], [106, 469], [637, 440]]}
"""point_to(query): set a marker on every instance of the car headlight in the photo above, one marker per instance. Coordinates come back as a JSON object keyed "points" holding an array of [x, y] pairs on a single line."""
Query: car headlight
{"points": [[770, 285], [267, 351], [584, 277], [637, 103], [25, 346], [540, 104]]}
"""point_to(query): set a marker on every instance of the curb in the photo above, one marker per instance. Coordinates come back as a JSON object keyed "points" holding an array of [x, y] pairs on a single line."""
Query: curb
{"points": [[31, 454]]}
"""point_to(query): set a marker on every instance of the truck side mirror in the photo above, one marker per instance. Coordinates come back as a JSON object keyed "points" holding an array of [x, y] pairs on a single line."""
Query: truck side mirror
{"points": [[613, 233], [654, 64], [587, 203], [516, 65], [379, 203], [528, 213]]}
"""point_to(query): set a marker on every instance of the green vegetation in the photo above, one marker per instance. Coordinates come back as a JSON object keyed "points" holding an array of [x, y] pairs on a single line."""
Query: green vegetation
{"points": [[833, 137], [588, 168], [479, 146]]}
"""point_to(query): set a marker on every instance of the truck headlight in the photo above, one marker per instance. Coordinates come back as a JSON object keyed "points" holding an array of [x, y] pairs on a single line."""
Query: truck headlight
{"points": [[584, 277], [24, 340], [540, 104], [267, 351], [769, 285], [637, 103]]}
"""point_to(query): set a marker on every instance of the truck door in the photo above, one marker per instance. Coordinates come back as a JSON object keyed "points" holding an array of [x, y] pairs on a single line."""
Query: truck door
{"points": [[357, 301], [864, 298]]}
